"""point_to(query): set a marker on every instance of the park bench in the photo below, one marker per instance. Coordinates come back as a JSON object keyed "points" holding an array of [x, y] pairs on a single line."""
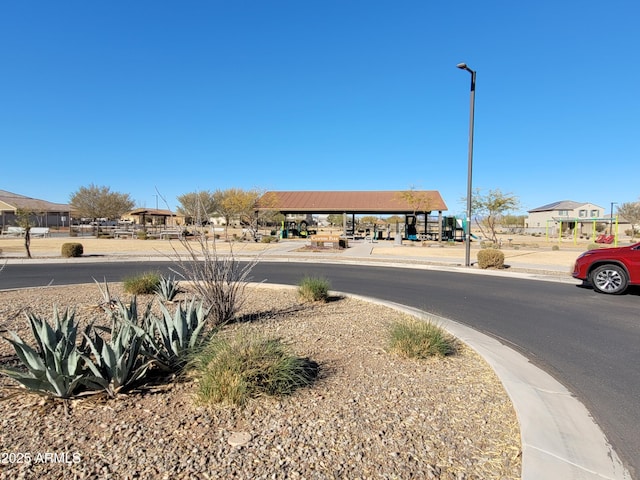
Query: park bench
{"points": [[167, 234], [39, 231], [123, 233], [13, 231], [335, 240], [33, 231]]}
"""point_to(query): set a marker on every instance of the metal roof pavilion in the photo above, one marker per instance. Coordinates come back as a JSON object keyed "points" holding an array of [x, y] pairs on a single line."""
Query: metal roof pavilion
{"points": [[356, 202]]}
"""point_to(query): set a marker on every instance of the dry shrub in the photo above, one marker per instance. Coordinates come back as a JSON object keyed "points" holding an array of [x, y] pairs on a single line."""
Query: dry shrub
{"points": [[219, 280], [69, 250], [490, 258]]}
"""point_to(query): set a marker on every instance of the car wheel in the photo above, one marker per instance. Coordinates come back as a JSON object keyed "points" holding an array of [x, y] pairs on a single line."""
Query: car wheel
{"points": [[610, 279]]}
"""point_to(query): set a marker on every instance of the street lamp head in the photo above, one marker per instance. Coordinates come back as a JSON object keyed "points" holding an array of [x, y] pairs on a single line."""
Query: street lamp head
{"points": [[464, 66]]}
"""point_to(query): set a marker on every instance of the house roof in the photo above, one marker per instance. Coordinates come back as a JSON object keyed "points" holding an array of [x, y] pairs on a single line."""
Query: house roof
{"points": [[15, 201], [361, 202], [150, 212], [561, 205]]}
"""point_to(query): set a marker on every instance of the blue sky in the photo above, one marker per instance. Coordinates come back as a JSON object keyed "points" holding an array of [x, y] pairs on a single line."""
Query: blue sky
{"points": [[174, 97]]}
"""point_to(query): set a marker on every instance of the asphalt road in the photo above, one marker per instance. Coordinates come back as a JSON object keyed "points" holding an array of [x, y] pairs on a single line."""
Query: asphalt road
{"points": [[588, 341]]}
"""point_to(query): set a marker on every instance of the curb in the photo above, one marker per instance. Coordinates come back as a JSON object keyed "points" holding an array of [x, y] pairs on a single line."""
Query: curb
{"points": [[559, 437]]}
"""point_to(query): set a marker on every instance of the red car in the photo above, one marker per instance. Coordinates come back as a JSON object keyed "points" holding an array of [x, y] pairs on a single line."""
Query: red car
{"points": [[609, 270]]}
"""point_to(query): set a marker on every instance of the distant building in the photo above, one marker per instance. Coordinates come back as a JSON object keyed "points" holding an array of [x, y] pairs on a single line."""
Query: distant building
{"points": [[46, 214], [567, 215], [153, 216]]}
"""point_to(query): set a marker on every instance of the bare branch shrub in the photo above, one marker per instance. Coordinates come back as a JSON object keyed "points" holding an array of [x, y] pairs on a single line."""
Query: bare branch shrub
{"points": [[219, 280]]}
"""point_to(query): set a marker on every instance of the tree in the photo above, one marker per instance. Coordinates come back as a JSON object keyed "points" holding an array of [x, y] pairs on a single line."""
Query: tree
{"points": [[235, 203], [368, 220], [335, 219], [100, 202], [266, 211], [394, 219], [513, 223], [24, 221], [491, 208], [419, 201], [198, 206], [630, 211]]}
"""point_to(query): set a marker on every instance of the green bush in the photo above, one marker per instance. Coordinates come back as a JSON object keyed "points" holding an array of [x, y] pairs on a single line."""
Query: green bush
{"points": [[144, 283], [231, 371], [268, 239], [414, 338], [487, 244], [72, 250], [142, 235], [314, 289], [555, 248], [490, 258], [593, 246]]}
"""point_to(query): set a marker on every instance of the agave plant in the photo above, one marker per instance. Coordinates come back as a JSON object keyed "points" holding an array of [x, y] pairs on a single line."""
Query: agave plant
{"points": [[168, 288], [120, 363], [56, 366], [108, 302], [175, 335]]}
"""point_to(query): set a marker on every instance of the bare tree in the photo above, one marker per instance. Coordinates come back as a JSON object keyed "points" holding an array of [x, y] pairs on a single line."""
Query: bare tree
{"points": [[489, 209], [198, 206], [630, 211], [100, 202], [24, 220]]}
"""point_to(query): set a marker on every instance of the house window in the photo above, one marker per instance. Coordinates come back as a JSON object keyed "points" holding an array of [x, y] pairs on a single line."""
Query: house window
{"points": [[582, 213], [594, 213], [563, 213]]}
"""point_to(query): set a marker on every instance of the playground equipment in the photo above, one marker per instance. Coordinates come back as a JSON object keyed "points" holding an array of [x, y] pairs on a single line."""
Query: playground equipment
{"points": [[452, 229], [296, 228]]}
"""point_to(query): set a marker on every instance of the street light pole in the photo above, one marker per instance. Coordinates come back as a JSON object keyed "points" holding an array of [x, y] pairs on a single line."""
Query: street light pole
{"points": [[611, 218], [467, 246]]}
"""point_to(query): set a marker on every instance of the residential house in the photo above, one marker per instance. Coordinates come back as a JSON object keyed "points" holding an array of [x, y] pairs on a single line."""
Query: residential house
{"points": [[566, 215], [44, 213]]}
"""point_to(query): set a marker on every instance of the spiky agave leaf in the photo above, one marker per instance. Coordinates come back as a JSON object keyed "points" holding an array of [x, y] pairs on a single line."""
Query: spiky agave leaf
{"points": [[178, 333], [119, 363], [168, 288], [108, 301], [56, 367]]}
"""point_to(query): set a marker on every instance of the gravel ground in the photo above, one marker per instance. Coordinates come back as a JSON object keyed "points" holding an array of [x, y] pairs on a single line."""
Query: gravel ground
{"points": [[370, 414]]}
